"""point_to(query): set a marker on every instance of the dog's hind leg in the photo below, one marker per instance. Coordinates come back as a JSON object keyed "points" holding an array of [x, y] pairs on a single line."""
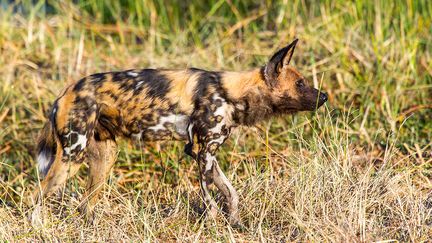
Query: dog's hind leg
{"points": [[57, 175], [100, 160], [72, 123]]}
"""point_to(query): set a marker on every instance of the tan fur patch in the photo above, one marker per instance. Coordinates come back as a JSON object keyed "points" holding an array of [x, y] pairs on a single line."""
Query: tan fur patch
{"points": [[287, 81], [182, 89], [136, 101], [107, 87], [65, 103], [238, 84], [109, 111], [125, 97]]}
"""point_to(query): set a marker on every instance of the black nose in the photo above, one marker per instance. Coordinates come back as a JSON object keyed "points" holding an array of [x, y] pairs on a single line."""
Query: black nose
{"points": [[323, 97]]}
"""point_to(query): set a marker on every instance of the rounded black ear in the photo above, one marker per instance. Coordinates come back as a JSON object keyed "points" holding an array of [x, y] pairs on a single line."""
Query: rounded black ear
{"points": [[278, 61]]}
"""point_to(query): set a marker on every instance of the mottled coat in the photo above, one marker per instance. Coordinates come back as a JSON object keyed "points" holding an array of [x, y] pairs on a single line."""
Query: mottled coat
{"points": [[197, 106]]}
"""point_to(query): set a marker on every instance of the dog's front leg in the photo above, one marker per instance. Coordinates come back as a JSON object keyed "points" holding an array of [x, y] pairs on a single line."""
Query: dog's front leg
{"points": [[206, 180], [203, 149], [231, 196], [212, 173]]}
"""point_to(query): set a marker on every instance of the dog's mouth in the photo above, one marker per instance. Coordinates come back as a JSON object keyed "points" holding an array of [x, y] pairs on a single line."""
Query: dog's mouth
{"points": [[319, 99], [311, 101]]}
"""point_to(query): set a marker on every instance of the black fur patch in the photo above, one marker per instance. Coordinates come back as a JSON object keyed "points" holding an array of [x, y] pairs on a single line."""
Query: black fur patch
{"points": [[204, 81], [98, 79], [79, 86], [53, 112], [254, 110], [157, 84]]}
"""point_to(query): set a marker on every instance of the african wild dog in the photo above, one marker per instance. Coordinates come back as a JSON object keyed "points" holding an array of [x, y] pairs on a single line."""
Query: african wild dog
{"points": [[199, 106]]}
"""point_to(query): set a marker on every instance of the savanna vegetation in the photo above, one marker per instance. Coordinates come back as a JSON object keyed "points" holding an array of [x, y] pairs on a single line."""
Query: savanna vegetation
{"points": [[359, 169]]}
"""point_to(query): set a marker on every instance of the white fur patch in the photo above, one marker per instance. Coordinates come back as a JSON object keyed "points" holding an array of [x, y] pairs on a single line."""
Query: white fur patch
{"points": [[36, 216], [190, 127], [240, 107], [133, 74], [220, 140], [43, 162], [225, 111], [209, 161], [81, 141], [139, 84], [218, 127], [137, 136], [180, 123], [216, 97]]}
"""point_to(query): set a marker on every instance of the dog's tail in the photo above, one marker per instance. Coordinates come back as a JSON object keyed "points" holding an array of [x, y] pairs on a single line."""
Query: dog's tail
{"points": [[46, 148]]}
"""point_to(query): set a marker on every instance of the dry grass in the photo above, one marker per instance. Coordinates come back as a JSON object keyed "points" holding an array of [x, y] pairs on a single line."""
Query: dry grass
{"points": [[357, 170]]}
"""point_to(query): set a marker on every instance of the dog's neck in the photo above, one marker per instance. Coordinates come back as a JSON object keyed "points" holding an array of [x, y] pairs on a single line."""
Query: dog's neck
{"points": [[250, 96]]}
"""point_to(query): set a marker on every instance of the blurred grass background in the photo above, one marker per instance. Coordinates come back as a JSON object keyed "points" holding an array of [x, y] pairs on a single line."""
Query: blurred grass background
{"points": [[372, 57]]}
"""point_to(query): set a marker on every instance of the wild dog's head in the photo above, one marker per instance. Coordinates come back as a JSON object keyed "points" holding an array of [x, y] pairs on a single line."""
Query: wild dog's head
{"points": [[290, 91]]}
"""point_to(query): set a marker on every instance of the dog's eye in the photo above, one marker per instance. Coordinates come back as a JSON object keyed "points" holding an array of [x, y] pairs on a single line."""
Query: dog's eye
{"points": [[300, 83]]}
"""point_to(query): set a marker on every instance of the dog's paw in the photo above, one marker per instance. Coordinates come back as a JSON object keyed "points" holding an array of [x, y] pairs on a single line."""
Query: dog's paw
{"points": [[88, 214], [238, 226], [36, 217], [236, 223], [90, 219]]}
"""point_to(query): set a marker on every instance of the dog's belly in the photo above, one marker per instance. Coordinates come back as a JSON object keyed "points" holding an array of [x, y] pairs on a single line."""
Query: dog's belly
{"points": [[168, 127]]}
